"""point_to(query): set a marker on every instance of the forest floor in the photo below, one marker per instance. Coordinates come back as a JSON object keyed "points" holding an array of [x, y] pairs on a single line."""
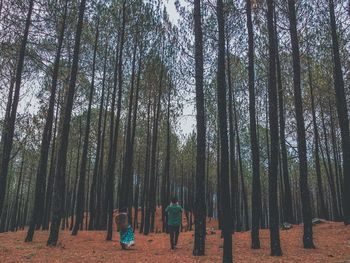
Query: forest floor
{"points": [[332, 241]]}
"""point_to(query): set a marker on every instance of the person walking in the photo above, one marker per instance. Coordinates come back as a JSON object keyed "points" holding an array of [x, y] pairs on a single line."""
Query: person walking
{"points": [[174, 219]]}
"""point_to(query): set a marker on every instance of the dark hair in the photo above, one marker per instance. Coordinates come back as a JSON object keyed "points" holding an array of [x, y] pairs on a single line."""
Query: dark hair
{"points": [[174, 199], [123, 210]]}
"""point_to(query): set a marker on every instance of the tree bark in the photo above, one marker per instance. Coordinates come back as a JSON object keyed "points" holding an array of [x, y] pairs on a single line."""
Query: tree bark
{"points": [[94, 183], [64, 126], [256, 185], [79, 207], [38, 209], [224, 160], [301, 138], [342, 110], [273, 121], [200, 205], [323, 209]]}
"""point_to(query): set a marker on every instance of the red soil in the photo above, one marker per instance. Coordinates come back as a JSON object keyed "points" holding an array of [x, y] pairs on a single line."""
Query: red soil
{"points": [[332, 241]]}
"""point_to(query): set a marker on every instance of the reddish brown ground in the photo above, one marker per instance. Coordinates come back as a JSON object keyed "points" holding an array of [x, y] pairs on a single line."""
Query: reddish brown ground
{"points": [[332, 241]]}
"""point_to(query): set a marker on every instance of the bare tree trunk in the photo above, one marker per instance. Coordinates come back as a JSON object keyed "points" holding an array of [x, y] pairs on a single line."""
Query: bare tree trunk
{"points": [[64, 126], [342, 114], [79, 208], [256, 185], [273, 120], [38, 209], [200, 205], [301, 137], [94, 183], [323, 213], [224, 159]]}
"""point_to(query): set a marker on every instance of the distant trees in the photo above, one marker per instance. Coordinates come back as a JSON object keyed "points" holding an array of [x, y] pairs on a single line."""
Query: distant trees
{"points": [[96, 108]]}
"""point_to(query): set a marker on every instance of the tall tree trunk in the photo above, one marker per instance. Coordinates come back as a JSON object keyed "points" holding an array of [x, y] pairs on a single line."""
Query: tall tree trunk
{"points": [[342, 114], [79, 207], [145, 187], [335, 157], [101, 220], [287, 196], [301, 138], [50, 175], [64, 126], [25, 213], [200, 205], [13, 220], [9, 126], [150, 210], [94, 183], [127, 173], [113, 156], [224, 160], [166, 175], [244, 200], [233, 168], [256, 185], [323, 209], [273, 121], [330, 173], [37, 213]]}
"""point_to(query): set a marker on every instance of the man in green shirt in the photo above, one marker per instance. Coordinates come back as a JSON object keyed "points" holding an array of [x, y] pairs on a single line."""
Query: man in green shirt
{"points": [[174, 218]]}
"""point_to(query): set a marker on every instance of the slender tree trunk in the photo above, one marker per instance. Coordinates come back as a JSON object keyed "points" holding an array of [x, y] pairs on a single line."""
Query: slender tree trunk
{"points": [[145, 188], [244, 200], [49, 177], [64, 126], [114, 143], [323, 210], [301, 137], [127, 173], [150, 210], [25, 213], [200, 205], [79, 207], [101, 219], [330, 174], [37, 213], [224, 160], [342, 114], [233, 168], [287, 196], [256, 185], [94, 184], [337, 174], [15, 207], [166, 176], [273, 120]]}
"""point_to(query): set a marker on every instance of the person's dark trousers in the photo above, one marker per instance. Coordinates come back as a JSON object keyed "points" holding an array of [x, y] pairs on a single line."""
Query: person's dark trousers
{"points": [[174, 232]]}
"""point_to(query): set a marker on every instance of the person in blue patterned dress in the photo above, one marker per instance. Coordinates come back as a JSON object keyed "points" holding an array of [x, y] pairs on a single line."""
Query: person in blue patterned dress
{"points": [[127, 237]]}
